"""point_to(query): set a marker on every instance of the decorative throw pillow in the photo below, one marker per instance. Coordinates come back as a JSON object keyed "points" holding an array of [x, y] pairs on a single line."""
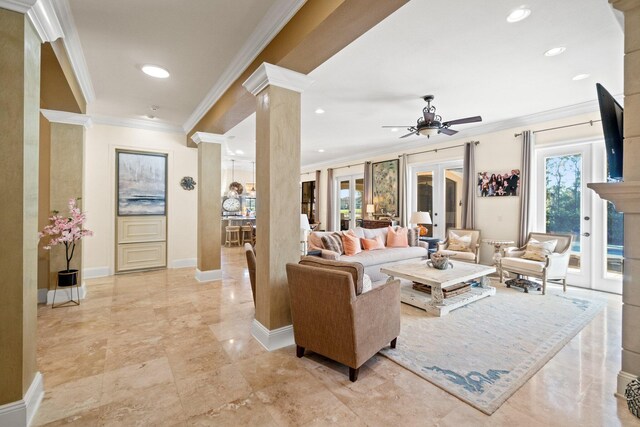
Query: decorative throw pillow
{"points": [[537, 251], [366, 283], [459, 243], [333, 242], [315, 241], [351, 243], [413, 236], [397, 238], [373, 244]]}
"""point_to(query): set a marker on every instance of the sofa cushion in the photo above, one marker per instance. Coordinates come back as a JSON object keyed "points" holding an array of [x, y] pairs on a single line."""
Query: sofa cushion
{"points": [[537, 251], [354, 268], [413, 236], [374, 232], [397, 238], [315, 239], [351, 243], [468, 256], [522, 265], [369, 258], [373, 244], [367, 285], [333, 242], [459, 243]]}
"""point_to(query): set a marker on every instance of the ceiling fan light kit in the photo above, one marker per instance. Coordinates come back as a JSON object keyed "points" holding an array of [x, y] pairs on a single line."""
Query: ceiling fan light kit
{"points": [[431, 124]]}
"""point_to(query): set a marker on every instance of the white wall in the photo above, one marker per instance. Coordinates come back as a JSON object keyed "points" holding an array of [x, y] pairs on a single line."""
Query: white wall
{"points": [[496, 217], [100, 197]]}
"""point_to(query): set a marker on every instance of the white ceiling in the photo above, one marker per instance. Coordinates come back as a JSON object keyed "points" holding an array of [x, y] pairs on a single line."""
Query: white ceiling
{"points": [[463, 52]]}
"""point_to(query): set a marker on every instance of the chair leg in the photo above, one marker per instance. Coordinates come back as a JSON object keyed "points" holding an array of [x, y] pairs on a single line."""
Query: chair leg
{"points": [[544, 285], [299, 351], [393, 342], [500, 274], [564, 285], [353, 374]]}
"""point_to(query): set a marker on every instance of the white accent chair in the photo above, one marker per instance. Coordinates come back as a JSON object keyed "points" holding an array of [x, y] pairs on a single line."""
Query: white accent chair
{"points": [[554, 267], [472, 255]]}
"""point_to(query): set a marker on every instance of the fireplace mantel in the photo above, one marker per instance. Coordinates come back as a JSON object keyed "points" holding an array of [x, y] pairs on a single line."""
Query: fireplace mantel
{"points": [[624, 195]]}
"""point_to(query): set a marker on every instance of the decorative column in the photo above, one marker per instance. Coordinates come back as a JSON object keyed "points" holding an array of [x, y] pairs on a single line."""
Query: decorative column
{"points": [[21, 386], [66, 155], [209, 205], [626, 196], [277, 91]]}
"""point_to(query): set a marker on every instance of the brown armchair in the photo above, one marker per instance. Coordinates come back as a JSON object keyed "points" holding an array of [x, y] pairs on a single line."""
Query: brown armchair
{"points": [[251, 266], [331, 318]]}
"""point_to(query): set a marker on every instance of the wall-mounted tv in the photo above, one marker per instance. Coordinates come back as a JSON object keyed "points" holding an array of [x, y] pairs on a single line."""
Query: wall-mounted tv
{"points": [[611, 115]]}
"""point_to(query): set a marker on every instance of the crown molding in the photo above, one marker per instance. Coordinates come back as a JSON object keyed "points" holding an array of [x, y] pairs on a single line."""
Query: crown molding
{"points": [[272, 75], [42, 15], [71, 42], [213, 138], [21, 6], [275, 19], [66, 117], [136, 124]]}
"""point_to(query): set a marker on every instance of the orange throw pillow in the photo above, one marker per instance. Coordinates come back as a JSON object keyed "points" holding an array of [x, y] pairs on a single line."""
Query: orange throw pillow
{"points": [[351, 243], [372, 244], [397, 238]]}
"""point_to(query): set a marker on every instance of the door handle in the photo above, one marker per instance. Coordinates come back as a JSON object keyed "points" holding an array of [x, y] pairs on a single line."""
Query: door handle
{"points": [[586, 234]]}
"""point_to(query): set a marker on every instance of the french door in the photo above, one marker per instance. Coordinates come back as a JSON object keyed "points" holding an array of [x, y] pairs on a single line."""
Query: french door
{"points": [[349, 206], [437, 189], [566, 205]]}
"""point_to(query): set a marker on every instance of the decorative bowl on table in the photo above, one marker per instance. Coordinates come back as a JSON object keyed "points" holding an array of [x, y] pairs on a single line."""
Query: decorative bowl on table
{"points": [[440, 261]]}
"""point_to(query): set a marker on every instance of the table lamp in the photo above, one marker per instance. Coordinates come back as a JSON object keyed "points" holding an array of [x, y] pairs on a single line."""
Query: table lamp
{"points": [[304, 231], [419, 218], [370, 210]]}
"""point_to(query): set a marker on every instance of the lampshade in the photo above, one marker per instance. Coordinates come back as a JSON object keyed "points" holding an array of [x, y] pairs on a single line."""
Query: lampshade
{"points": [[304, 222], [429, 131], [420, 218], [371, 208]]}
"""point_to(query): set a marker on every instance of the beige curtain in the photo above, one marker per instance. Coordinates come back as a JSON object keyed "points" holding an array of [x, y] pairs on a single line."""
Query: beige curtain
{"points": [[403, 202], [469, 186], [526, 174], [367, 187], [330, 197]]}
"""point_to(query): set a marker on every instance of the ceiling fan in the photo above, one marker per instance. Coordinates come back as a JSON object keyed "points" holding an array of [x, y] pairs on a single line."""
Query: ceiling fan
{"points": [[431, 124]]}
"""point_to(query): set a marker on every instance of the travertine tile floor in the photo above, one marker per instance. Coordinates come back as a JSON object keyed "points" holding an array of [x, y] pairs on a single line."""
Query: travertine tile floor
{"points": [[159, 348]]}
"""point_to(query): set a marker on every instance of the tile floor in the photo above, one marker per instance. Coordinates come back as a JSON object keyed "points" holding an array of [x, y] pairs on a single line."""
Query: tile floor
{"points": [[161, 349]]}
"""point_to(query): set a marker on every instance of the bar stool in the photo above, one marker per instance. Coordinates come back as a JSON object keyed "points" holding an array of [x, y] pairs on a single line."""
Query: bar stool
{"points": [[246, 234], [233, 235]]}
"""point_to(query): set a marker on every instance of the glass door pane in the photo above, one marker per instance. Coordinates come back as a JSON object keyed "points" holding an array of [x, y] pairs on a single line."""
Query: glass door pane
{"points": [[563, 197], [345, 203], [615, 240], [358, 196], [453, 197], [425, 196]]}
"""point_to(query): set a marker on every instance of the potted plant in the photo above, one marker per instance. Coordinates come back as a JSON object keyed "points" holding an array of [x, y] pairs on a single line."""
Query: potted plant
{"points": [[67, 230]]}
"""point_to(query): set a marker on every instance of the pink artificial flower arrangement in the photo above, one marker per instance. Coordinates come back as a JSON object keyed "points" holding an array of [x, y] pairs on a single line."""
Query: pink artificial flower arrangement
{"points": [[66, 230]]}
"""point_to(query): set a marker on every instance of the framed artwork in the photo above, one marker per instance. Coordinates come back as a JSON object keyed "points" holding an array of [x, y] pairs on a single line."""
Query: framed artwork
{"points": [[142, 183], [384, 184], [498, 184]]}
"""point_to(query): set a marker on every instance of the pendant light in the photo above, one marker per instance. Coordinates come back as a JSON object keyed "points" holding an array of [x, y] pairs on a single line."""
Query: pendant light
{"points": [[252, 192], [232, 194]]}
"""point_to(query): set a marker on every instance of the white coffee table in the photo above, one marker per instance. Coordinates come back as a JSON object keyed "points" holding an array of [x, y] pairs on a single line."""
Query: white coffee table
{"points": [[438, 280]]}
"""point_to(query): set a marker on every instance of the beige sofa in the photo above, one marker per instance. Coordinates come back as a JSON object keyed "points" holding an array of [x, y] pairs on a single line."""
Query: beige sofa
{"points": [[371, 260]]}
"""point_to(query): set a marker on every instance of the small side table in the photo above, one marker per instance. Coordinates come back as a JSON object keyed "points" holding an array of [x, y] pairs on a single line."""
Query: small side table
{"points": [[497, 247]]}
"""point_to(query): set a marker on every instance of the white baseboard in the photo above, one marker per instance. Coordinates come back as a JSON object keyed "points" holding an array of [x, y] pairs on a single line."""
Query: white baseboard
{"points": [[183, 263], [64, 294], [208, 276], [91, 273], [22, 412], [42, 295], [624, 378], [272, 339]]}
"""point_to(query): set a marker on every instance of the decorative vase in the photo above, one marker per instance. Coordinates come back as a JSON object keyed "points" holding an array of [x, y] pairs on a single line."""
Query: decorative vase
{"points": [[67, 278], [439, 261]]}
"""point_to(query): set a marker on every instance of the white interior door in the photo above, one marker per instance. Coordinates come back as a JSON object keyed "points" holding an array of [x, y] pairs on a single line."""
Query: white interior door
{"points": [[566, 205]]}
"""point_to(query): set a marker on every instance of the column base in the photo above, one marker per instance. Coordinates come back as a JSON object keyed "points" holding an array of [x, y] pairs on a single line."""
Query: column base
{"points": [[624, 378], [272, 339], [208, 276], [64, 294], [22, 412]]}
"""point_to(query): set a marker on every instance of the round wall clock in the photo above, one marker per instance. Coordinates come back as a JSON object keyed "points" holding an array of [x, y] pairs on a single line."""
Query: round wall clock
{"points": [[231, 205], [188, 183]]}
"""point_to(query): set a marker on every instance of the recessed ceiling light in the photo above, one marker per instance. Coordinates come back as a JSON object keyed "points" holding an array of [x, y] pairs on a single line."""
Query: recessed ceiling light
{"points": [[319, 111], [581, 77], [518, 14], [394, 129], [155, 71], [321, 150], [239, 152], [555, 51]]}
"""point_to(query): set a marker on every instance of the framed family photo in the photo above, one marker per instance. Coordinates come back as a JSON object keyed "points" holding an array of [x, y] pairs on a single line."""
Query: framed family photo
{"points": [[499, 184]]}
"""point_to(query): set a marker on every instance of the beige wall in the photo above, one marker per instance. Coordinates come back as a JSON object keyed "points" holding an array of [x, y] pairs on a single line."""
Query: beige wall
{"points": [[44, 209], [100, 198], [496, 217]]}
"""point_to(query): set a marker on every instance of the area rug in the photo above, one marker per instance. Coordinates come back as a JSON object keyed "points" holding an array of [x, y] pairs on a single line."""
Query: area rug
{"points": [[484, 352]]}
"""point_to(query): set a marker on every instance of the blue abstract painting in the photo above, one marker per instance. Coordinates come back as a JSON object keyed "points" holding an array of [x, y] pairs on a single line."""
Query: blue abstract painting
{"points": [[142, 183]]}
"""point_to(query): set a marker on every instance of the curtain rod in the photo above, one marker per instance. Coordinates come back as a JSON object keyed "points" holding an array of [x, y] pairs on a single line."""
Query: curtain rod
{"points": [[590, 123], [435, 150], [348, 166]]}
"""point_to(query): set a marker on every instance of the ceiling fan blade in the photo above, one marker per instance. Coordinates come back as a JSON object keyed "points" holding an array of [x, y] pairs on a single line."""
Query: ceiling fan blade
{"points": [[403, 126], [447, 131], [463, 121], [428, 117], [409, 134]]}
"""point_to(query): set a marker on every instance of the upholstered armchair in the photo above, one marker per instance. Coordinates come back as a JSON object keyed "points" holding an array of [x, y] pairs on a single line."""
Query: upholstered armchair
{"points": [[552, 265], [251, 266], [461, 244], [333, 317]]}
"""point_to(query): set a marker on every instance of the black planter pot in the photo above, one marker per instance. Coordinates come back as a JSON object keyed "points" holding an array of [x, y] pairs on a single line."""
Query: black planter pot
{"points": [[67, 278]]}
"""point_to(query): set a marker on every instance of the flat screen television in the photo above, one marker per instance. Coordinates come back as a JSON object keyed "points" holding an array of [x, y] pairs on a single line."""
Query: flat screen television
{"points": [[611, 115]]}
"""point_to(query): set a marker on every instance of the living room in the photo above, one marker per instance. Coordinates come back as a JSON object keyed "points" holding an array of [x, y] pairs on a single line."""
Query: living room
{"points": [[178, 344]]}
